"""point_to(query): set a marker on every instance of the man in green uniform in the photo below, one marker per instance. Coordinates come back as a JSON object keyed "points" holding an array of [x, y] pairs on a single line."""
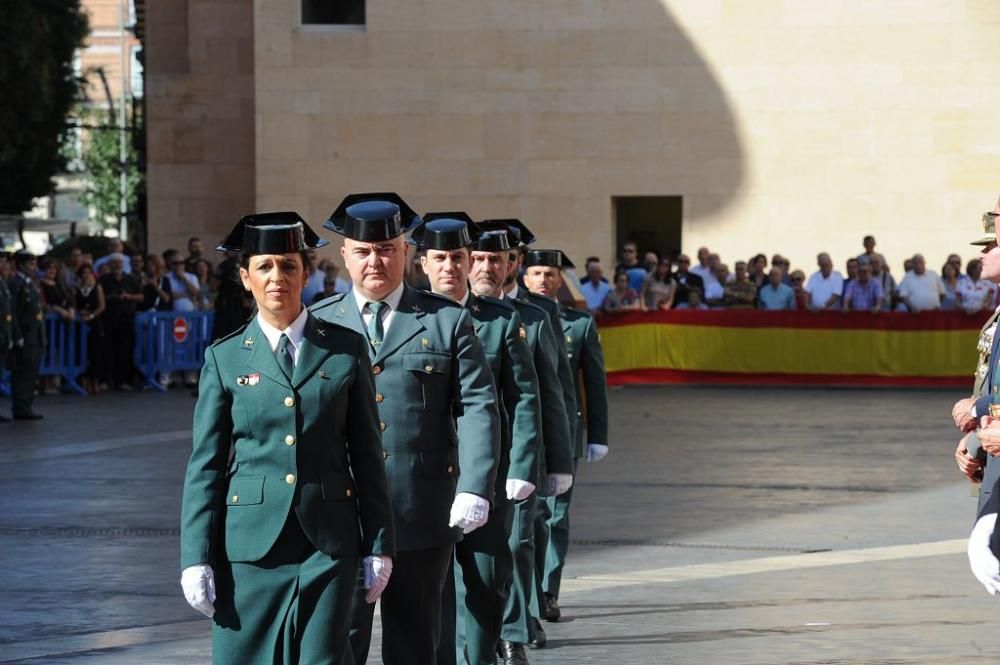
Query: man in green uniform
{"points": [[559, 482], [543, 277], [490, 270], [439, 419], [6, 321], [29, 335], [473, 605], [285, 494]]}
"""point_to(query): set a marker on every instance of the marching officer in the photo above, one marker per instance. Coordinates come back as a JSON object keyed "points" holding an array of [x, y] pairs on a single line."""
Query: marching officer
{"points": [[551, 307], [543, 276], [6, 321], [438, 415], [474, 601], [969, 455], [29, 335], [491, 267], [285, 494]]}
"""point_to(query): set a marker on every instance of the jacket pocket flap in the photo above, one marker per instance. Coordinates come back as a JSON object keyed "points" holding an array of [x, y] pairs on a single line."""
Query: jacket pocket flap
{"points": [[494, 360], [439, 463], [428, 362], [246, 491], [337, 486]]}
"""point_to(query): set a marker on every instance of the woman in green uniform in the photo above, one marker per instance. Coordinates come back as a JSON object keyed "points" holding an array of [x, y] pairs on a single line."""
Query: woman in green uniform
{"points": [[285, 493]]}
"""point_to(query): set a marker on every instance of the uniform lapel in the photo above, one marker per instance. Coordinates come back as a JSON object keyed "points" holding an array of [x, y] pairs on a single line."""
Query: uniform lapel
{"points": [[313, 352], [262, 357], [405, 325], [345, 313]]}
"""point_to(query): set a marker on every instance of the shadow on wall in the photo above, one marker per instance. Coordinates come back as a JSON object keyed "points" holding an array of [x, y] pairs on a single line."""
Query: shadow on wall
{"points": [[622, 86]]}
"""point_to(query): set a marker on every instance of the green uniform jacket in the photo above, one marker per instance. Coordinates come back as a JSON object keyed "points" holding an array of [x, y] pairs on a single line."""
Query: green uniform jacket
{"points": [[6, 319], [554, 312], [556, 432], [586, 359], [504, 339], [310, 445], [438, 410], [28, 317]]}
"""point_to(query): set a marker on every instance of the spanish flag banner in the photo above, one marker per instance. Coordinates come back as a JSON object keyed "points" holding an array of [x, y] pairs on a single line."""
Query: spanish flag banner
{"points": [[792, 348]]}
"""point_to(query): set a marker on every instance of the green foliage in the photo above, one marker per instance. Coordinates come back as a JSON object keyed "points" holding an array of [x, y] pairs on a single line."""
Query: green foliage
{"points": [[39, 88], [101, 163]]}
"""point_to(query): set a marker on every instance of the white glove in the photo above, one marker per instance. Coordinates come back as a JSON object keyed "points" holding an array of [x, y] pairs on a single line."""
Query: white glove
{"points": [[378, 568], [559, 483], [596, 452], [198, 583], [984, 565], [469, 512], [519, 490]]}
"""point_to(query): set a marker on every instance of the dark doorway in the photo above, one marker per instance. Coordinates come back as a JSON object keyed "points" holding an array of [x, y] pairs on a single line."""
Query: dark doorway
{"points": [[652, 222]]}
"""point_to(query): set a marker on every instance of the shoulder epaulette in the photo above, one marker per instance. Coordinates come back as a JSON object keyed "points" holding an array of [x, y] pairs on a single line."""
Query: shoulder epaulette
{"points": [[326, 302], [235, 333]]}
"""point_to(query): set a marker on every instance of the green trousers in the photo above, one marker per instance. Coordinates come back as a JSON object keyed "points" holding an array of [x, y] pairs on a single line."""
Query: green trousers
{"points": [[522, 548], [473, 602], [23, 377], [293, 607], [558, 542], [410, 609]]}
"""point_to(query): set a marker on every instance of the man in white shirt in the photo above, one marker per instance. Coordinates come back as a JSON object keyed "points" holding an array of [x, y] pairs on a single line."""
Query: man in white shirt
{"points": [[825, 286], [921, 288], [977, 294], [703, 269], [183, 285], [595, 289]]}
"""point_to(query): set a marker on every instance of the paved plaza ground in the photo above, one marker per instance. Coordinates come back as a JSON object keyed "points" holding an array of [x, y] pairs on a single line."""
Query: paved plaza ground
{"points": [[728, 526]]}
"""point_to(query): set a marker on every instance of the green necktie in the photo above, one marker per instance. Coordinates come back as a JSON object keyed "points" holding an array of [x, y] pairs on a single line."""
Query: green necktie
{"points": [[376, 331], [285, 359]]}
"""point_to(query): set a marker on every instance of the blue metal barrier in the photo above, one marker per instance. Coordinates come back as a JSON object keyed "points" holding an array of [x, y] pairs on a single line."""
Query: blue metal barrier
{"points": [[171, 342], [65, 353]]}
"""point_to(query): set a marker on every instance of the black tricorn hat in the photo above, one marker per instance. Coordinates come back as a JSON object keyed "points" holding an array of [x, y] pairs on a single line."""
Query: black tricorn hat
{"points": [[445, 231], [494, 237], [521, 233], [372, 217], [22, 255], [497, 226], [271, 233], [553, 258]]}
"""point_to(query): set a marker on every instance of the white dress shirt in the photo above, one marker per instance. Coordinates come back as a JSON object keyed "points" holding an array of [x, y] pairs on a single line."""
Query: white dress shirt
{"points": [[513, 292], [392, 300], [295, 333]]}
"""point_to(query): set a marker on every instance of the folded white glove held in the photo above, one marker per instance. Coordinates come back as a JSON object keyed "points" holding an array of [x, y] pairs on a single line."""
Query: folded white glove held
{"points": [[469, 512], [519, 490], [596, 452], [559, 483], [984, 565], [198, 583], [377, 571]]}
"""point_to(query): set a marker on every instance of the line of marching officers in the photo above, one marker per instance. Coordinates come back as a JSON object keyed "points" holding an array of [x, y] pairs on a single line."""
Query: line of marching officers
{"points": [[390, 443]]}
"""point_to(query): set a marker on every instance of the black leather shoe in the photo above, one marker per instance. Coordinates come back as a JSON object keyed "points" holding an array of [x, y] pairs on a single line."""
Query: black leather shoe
{"points": [[31, 415], [4, 419], [513, 653], [552, 611], [540, 637]]}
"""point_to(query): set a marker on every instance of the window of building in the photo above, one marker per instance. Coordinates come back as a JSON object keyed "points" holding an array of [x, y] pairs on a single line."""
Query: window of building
{"points": [[333, 12], [652, 222]]}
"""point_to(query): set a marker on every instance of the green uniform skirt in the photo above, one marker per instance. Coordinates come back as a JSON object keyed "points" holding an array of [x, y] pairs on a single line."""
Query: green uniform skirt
{"points": [[293, 607]]}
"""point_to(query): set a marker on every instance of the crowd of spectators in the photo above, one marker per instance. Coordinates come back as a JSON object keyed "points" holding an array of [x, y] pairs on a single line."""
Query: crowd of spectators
{"points": [[108, 293], [671, 282]]}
